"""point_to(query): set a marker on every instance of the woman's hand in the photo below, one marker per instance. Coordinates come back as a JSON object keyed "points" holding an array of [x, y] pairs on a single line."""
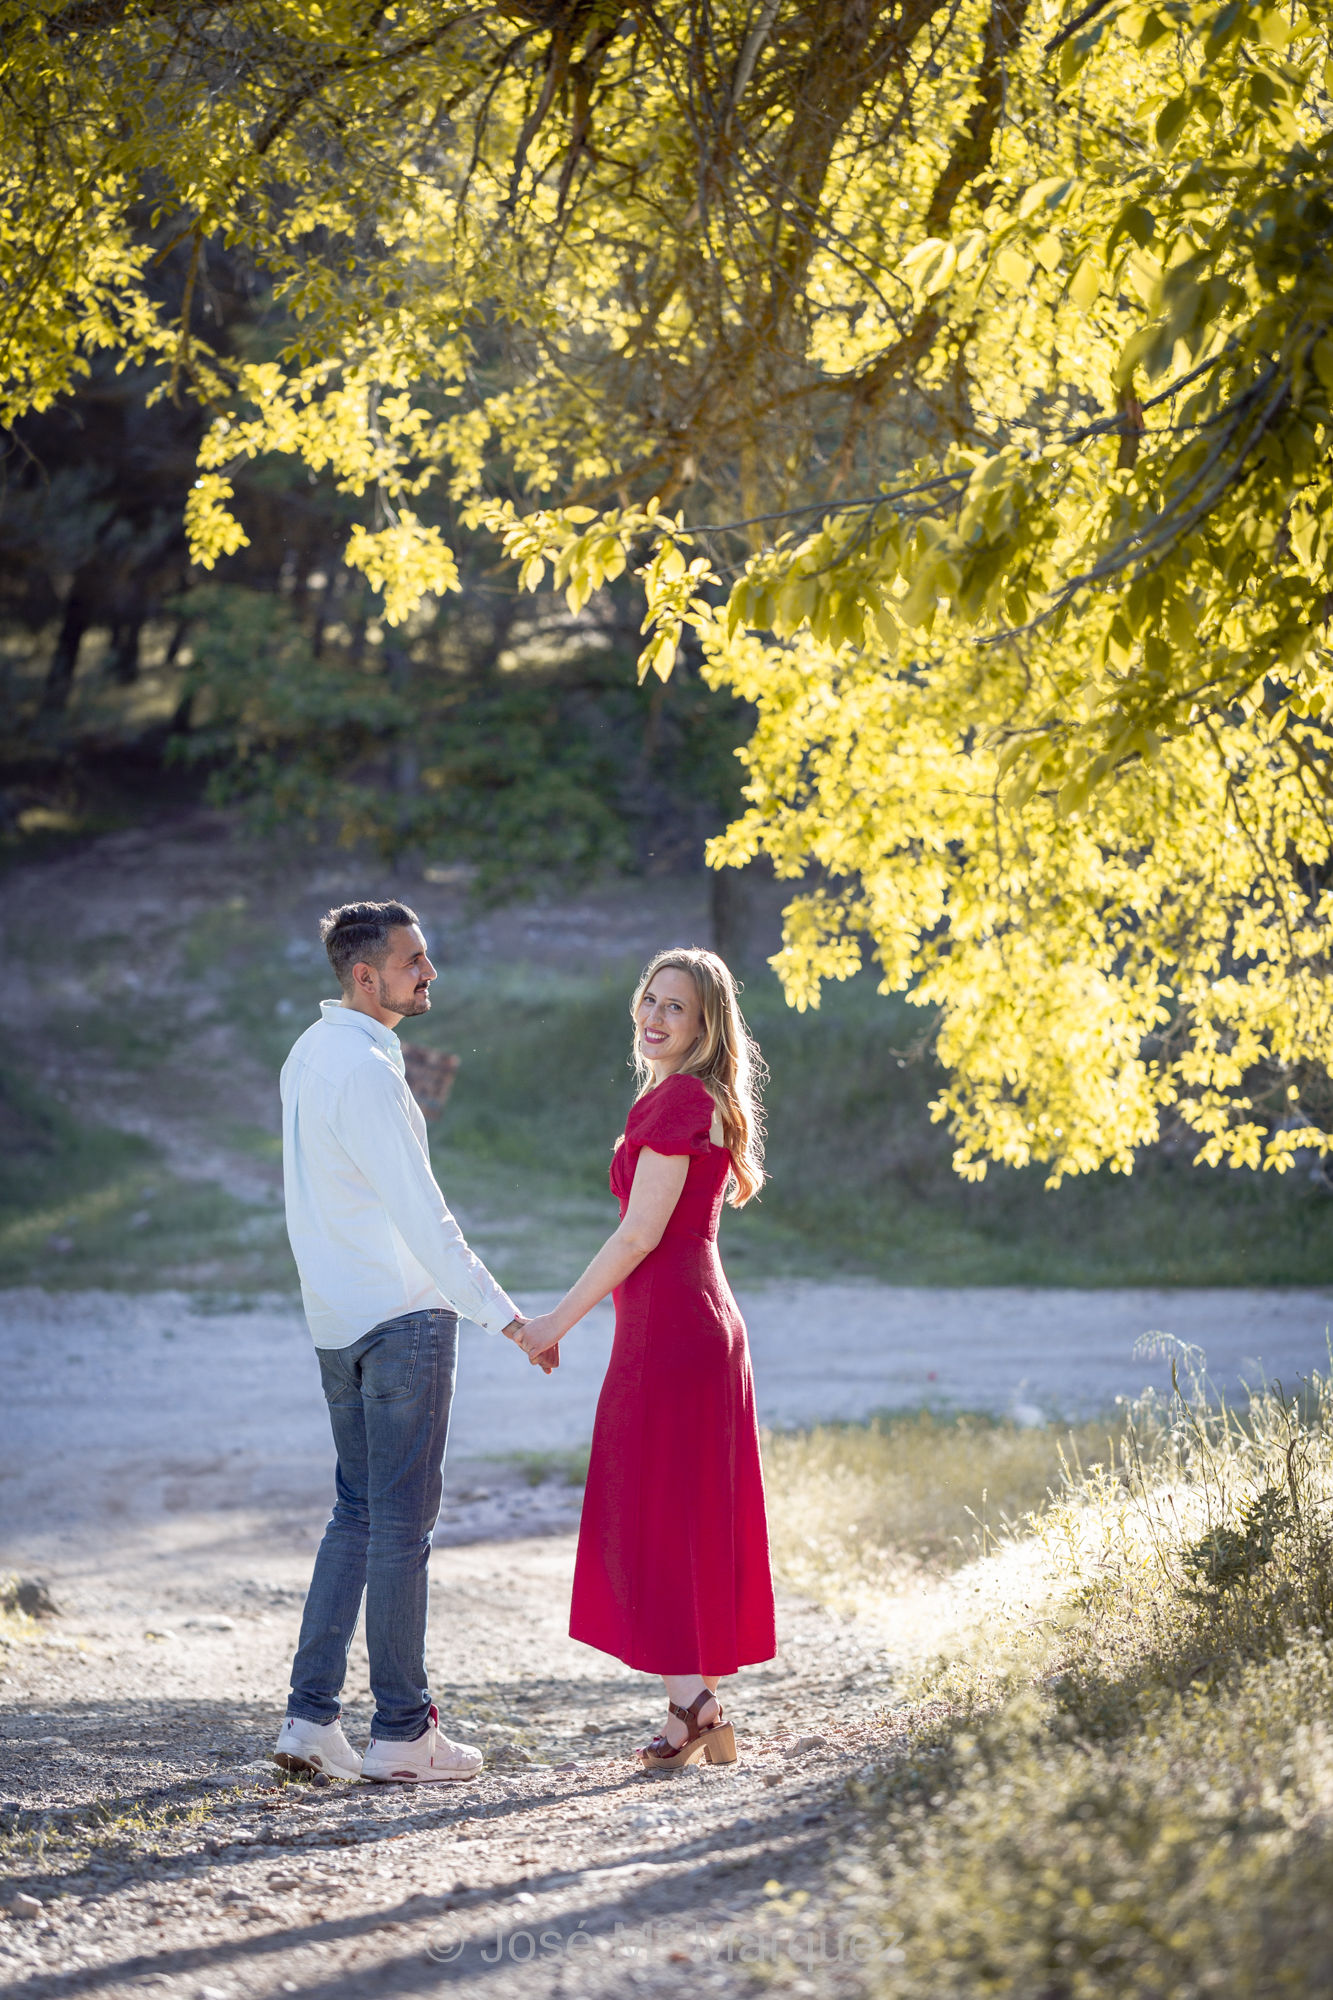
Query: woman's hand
{"points": [[548, 1361], [539, 1340]]}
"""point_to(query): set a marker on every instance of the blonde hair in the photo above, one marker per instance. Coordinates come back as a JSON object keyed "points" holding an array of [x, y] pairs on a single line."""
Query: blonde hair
{"points": [[725, 1059]]}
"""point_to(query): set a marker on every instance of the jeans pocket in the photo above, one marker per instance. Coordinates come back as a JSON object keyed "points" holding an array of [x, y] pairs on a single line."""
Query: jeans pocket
{"points": [[389, 1364], [336, 1378]]}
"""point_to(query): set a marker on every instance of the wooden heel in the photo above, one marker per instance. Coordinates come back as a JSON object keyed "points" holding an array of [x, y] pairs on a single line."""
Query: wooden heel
{"points": [[720, 1743], [716, 1743]]}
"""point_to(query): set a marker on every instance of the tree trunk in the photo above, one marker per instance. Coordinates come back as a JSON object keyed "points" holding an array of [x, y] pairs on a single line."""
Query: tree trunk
{"points": [[182, 722], [729, 898], [65, 658], [124, 660], [407, 752]]}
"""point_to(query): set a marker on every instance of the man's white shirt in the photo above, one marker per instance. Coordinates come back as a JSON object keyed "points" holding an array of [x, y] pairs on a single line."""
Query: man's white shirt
{"points": [[371, 1233]]}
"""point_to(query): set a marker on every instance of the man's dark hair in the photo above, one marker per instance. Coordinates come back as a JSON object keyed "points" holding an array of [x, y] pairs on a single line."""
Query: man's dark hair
{"points": [[358, 934]]}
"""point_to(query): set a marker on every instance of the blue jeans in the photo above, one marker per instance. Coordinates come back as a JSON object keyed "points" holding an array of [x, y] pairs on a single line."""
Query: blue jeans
{"points": [[388, 1395]]}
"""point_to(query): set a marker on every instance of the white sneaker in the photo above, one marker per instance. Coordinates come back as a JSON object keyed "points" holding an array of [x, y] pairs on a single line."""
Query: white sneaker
{"points": [[316, 1746], [432, 1759]]}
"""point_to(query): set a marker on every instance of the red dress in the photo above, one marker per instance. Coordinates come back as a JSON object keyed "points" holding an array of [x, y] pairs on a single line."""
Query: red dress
{"points": [[672, 1574]]}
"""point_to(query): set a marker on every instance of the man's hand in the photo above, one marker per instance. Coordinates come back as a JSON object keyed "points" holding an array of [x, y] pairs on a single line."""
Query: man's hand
{"points": [[538, 1338], [548, 1361]]}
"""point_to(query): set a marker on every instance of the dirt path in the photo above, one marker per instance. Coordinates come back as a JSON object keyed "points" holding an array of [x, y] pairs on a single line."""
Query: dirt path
{"points": [[116, 1403], [171, 1490], [167, 1855], [167, 1470]]}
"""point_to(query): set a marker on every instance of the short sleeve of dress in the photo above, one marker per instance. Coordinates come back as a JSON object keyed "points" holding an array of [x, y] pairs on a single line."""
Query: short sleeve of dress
{"points": [[673, 1117]]}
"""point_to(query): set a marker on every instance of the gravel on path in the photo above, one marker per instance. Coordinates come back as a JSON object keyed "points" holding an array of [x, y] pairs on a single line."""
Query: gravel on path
{"points": [[150, 1847], [167, 1469]]}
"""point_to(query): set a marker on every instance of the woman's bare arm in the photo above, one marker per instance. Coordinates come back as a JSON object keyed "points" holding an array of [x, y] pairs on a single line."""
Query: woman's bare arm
{"points": [[658, 1180]]}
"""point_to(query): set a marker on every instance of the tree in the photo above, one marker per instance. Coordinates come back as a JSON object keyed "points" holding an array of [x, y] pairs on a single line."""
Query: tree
{"points": [[126, 331], [1030, 321], [1101, 842], [610, 251]]}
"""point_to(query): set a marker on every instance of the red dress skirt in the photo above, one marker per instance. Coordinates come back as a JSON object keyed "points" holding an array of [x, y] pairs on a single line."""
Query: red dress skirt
{"points": [[672, 1574]]}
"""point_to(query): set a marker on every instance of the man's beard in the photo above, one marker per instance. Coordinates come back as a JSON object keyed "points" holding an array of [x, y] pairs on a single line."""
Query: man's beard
{"points": [[416, 1002]]}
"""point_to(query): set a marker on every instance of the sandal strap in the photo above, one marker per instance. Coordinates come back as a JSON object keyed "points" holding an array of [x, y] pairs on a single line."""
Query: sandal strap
{"points": [[690, 1716]]}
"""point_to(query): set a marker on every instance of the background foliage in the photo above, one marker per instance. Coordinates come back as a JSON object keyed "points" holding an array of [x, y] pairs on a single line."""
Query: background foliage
{"points": [[1027, 322]]}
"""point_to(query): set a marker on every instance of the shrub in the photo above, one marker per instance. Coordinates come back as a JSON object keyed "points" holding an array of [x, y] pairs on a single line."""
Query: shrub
{"points": [[1142, 1807]]}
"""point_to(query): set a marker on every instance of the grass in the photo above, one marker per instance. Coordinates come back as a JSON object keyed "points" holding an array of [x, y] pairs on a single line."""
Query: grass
{"points": [[83, 1205], [569, 1467], [1132, 1798], [17, 1627], [859, 1168], [857, 1508], [861, 1182], [53, 1848]]}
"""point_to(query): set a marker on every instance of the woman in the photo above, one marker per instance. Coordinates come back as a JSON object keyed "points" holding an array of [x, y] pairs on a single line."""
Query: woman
{"points": [[672, 1574]]}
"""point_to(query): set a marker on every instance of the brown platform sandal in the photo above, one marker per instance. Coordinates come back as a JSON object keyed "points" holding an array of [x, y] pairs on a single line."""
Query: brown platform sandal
{"points": [[717, 1742]]}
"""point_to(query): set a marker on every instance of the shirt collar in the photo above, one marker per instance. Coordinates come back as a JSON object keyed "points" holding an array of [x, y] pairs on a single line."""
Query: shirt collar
{"points": [[334, 1011]]}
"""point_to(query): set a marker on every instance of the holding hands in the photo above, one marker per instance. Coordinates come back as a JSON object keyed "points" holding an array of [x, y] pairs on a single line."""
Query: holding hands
{"points": [[538, 1339]]}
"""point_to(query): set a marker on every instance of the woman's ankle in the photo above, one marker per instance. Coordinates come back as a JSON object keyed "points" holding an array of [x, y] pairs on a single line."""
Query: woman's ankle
{"points": [[705, 1715]]}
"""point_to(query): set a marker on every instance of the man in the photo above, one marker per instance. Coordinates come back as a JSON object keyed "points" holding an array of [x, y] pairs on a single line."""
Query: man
{"points": [[385, 1274]]}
